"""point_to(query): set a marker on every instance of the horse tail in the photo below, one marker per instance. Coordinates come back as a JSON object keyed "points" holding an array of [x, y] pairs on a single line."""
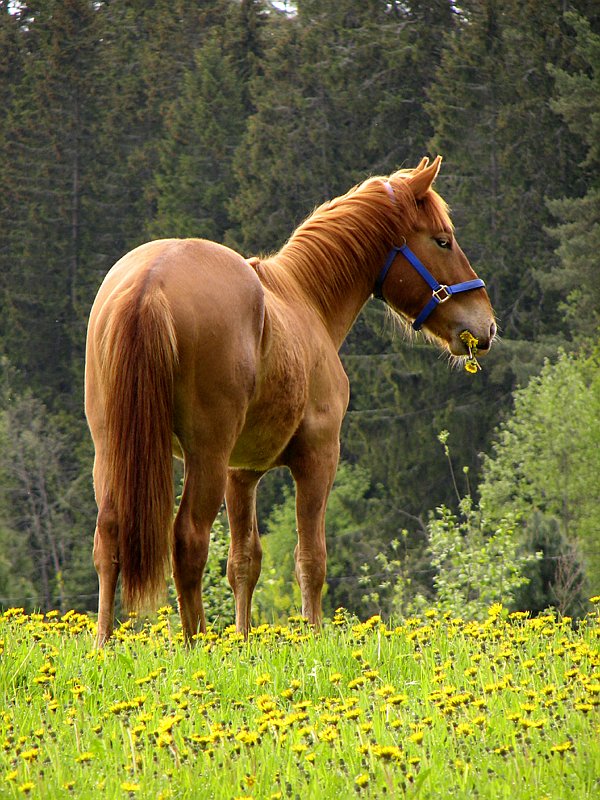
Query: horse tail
{"points": [[138, 359]]}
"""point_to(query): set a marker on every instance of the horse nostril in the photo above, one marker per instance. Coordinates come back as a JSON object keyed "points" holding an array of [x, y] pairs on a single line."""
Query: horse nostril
{"points": [[493, 330]]}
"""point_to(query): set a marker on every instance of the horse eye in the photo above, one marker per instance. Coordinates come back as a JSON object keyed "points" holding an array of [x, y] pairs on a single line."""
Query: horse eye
{"points": [[443, 243]]}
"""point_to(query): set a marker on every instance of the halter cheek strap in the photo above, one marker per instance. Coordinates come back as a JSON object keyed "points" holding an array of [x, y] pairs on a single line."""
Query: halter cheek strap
{"points": [[439, 292]]}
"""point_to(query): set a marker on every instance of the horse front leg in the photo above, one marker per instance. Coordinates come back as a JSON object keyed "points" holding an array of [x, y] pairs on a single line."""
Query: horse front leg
{"points": [[245, 551], [314, 473]]}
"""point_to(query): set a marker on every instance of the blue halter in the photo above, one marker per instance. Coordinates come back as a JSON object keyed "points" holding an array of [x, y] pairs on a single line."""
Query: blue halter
{"points": [[439, 292]]}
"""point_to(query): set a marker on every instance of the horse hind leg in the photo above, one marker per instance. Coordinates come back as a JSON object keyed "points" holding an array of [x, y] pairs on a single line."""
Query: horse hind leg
{"points": [[106, 561], [203, 492], [245, 551]]}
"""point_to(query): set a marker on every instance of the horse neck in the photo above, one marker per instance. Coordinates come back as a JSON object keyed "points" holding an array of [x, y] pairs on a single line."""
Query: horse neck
{"points": [[332, 261]]}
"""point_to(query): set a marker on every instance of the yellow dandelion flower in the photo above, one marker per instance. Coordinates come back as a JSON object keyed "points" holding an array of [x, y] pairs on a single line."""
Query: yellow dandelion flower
{"points": [[83, 757], [263, 678], [397, 699], [361, 780], [356, 682], [495, 610], [532, 723], [562, 747], [26, 787], [464, 729], [266, 703], [388, 752], [329, 734], [417, 737], [468, 338], [129, 786], [371, 674], [335, 677]]}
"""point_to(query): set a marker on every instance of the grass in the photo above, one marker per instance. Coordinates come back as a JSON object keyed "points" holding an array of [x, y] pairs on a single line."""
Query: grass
{"points": [[434, 708]]}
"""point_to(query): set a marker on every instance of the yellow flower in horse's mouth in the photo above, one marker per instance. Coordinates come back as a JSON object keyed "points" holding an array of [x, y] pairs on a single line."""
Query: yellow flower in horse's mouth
{"points": [[471, 363]]}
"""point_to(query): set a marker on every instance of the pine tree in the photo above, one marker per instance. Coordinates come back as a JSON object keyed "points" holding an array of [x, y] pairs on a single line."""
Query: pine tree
{"points": [[506, 150], [578, 103], [47, 160], [204, 125], [338, 97]]}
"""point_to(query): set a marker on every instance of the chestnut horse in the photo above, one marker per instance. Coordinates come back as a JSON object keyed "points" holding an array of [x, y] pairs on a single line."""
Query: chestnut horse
{"points": [[232, 365]]}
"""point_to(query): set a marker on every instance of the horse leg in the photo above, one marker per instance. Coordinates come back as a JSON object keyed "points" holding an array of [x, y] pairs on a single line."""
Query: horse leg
{"points": [[245, 551], [106, 551], [203, 492], [106, 561], [314, 473]]}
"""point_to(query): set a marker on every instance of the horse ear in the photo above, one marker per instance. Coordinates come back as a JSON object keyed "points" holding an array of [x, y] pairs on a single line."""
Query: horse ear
{"points": [[421, 179], [421, 165]]}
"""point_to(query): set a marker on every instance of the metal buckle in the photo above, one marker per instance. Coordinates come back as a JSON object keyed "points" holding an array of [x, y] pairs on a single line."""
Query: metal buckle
{"points": [[441, 298]]}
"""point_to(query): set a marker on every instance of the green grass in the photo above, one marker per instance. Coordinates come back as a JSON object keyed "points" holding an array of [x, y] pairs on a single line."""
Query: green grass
{"points": [[434, 708]]}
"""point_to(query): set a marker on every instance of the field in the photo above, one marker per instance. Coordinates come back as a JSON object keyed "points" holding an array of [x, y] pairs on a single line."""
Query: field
{"points": [[431, 707]]}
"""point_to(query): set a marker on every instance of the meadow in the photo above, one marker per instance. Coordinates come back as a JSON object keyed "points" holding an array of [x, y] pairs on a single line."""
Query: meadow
{"points": [[431, 707]]}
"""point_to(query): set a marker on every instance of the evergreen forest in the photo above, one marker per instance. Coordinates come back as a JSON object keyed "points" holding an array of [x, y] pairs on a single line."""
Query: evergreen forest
{"points": [[127, 120]]}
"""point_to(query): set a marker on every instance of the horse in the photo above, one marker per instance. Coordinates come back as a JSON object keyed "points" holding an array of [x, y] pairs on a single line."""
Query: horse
{"points": [[231, 364]]}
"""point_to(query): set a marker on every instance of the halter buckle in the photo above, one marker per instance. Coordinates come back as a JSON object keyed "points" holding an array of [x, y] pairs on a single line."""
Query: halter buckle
{"points": [[442, 293]]}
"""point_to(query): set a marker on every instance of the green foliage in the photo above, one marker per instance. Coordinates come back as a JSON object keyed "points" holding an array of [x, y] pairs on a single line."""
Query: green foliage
{"points": [[579, 229], [45, 503], [476, 563], [546, 456]]}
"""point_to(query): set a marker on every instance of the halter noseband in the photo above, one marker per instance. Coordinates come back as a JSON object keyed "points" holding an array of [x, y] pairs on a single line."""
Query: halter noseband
{"points": [[439, 291]]}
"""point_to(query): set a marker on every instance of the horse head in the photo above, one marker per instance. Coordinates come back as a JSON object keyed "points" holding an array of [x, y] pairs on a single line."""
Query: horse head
{"points": [[428, 279]]}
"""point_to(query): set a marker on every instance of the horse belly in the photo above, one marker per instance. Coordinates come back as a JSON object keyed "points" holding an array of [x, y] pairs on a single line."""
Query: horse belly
{"points": [[272, 418]]}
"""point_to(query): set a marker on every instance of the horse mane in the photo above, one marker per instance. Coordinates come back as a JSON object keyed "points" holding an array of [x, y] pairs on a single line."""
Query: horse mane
{"points": [[335, 245]]}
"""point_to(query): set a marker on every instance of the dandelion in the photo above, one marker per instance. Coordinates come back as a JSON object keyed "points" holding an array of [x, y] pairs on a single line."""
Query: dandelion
{"points": [[361, 780], [264, 678], [562, 747], [355, 683], [388, 752], [464, 729], [471, 363], [26, 787], [129, 786], [84, 757]]}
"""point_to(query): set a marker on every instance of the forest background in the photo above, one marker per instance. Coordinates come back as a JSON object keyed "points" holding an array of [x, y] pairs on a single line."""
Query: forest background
{"points": [[122, 121]]}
